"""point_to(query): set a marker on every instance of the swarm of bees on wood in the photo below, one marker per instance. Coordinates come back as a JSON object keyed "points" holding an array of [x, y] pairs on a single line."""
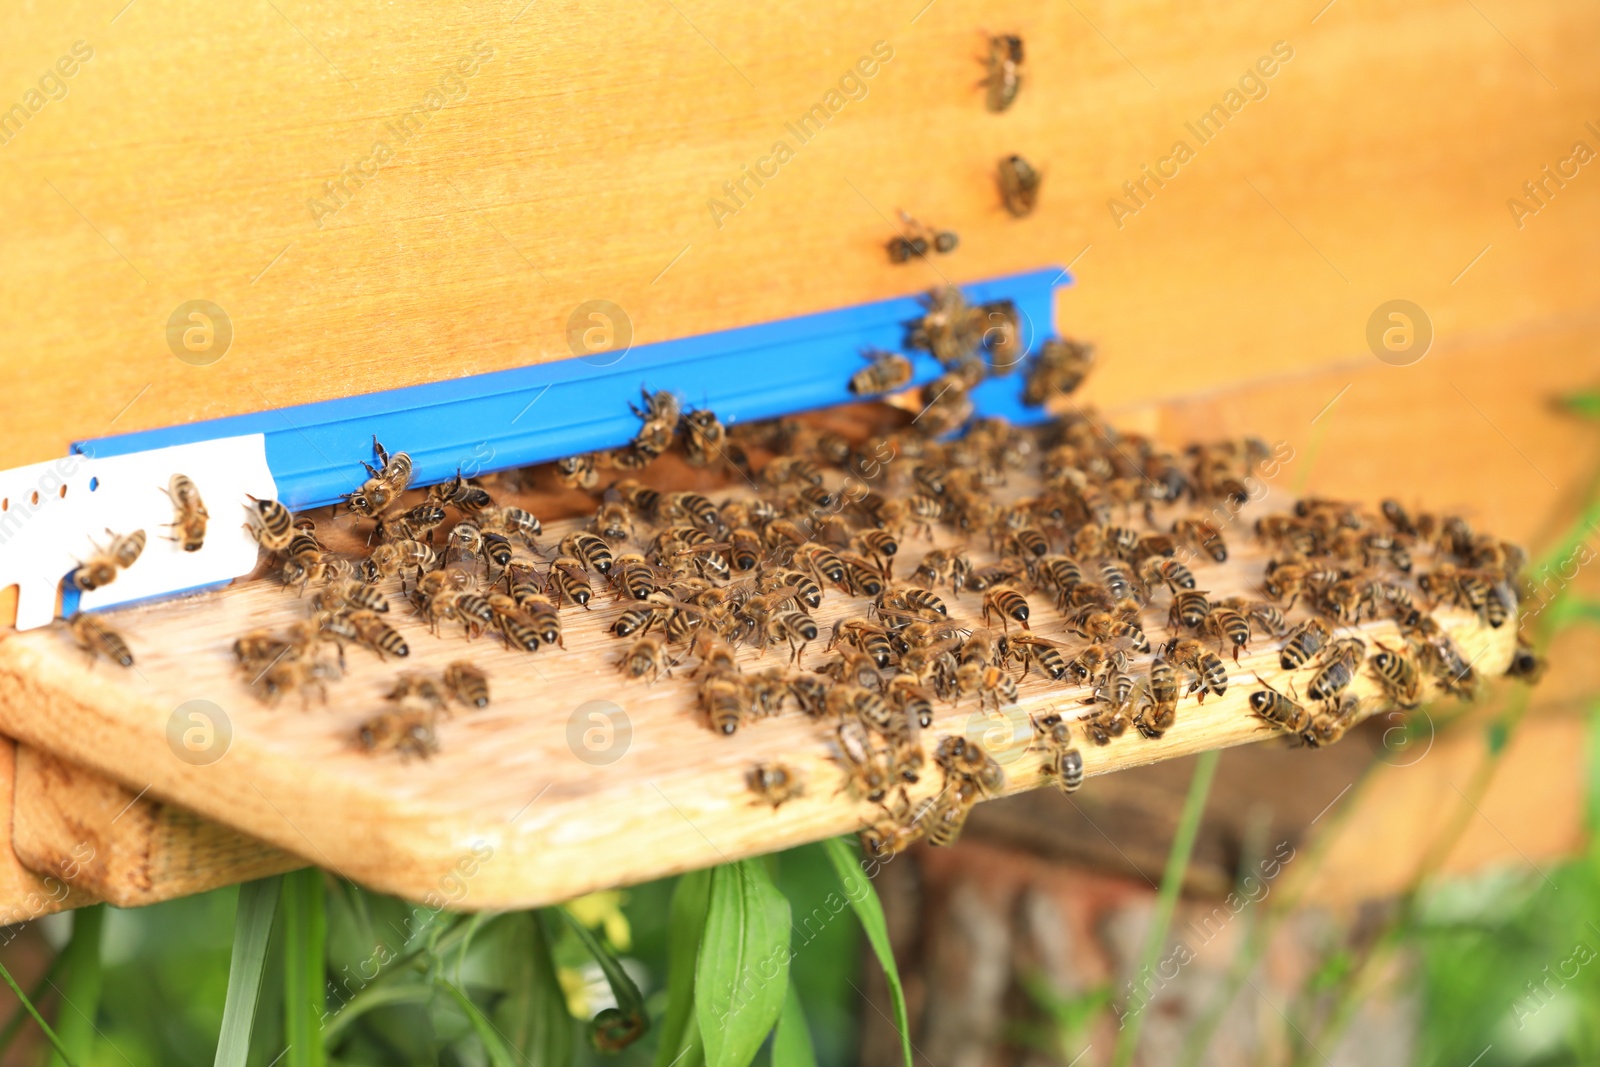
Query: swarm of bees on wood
{"points": [[1071, 557]]}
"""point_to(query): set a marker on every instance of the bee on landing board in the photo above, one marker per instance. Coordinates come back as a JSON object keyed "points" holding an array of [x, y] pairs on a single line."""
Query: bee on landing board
{"points": [[774, 784], [1005, 72], [1019, 185], [189, 512], [98, 639], [384, 483]]}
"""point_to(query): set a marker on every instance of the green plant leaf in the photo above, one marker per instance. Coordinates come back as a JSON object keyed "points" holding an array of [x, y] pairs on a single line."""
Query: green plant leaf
{"points": [[499, 1055], [532, 1016], [869, 910], [305, 941], [19, 1018], [791, 1043], [84, 980], [1585, 403], [27, 1004], [685, 922], [615, 1028], [743, 964], [252, 928]]}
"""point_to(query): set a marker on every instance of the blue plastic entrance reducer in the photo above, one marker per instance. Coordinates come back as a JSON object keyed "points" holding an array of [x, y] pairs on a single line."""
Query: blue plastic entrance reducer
{"points": [[540, 413]]}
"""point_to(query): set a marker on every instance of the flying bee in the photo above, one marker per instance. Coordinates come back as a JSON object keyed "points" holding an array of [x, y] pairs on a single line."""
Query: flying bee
{"points": [[1019, 185], [774, 784], [1229, 627], [1005, 71], [1337, 668], [467, 683], [886, 372], [1210, 675], [703, 437], [1277, 710], [384, 483], [98, 639], [189, 512], [377, 635], [409, 732], [1006, 602], [1396, 671], [578, 472], [645, 658], [101, 568]]}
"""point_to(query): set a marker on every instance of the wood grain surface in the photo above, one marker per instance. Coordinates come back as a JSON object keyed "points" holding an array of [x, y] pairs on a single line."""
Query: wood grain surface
{"points": [[120, 846], [579, 157], [519, 808]]}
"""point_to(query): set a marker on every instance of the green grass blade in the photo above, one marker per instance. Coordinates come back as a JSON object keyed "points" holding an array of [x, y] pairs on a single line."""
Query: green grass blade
{"points": [[49, 1034], [616, 1028], [1194, 807], [869, 910], [252, 927], [1585, 403], [305, 937], [684, 925], [499, 1055], [371, 998], [19, 1018], [791, 1044], [743, 965], [80, 999], [532, 1016]]}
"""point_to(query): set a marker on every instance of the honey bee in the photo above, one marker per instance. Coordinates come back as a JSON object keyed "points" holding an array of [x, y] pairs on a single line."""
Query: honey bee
{"points": [[1063, 763], [1229, 627], [270, 523], [467, 683], [912, 699], [1168, 572], [1117, 625], [412, 525], [508, 521], [1019, 185], [384, 483], [1202, 536], [774, 784], [1158, 711], [497, 552], [1336, 668], [392, 558], [946, 328], [1444, 660], [1033, 651], [346, 593], [1304, 641], [1189, 609], [867, 636], [886, 372], [1277, 710], [992, 684], [795, 584], [417, 692], [1005, 71], [1006, 602], [409, 732], [101, 568], [943, 566], [189, 512], [645, 658], [592, 551], [703, 437], [1331, 720], [567, 580], [1210, 675], [947, 813], [1396, 671], [901, 826], [461, 493], [724, 700], [98, 639], [861, 578], [1060, 367], [867, 767], [577, 472], [959, 756], [661, 414], [377, 635]]}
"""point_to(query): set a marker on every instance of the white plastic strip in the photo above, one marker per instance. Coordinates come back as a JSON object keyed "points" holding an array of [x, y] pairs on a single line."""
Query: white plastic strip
{"points": [[53, 514]]}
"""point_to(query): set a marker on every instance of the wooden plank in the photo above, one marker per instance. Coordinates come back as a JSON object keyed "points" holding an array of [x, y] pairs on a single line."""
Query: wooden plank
{"points": [[121, 846], [25, 894], [578, 161], [514, 798]]}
